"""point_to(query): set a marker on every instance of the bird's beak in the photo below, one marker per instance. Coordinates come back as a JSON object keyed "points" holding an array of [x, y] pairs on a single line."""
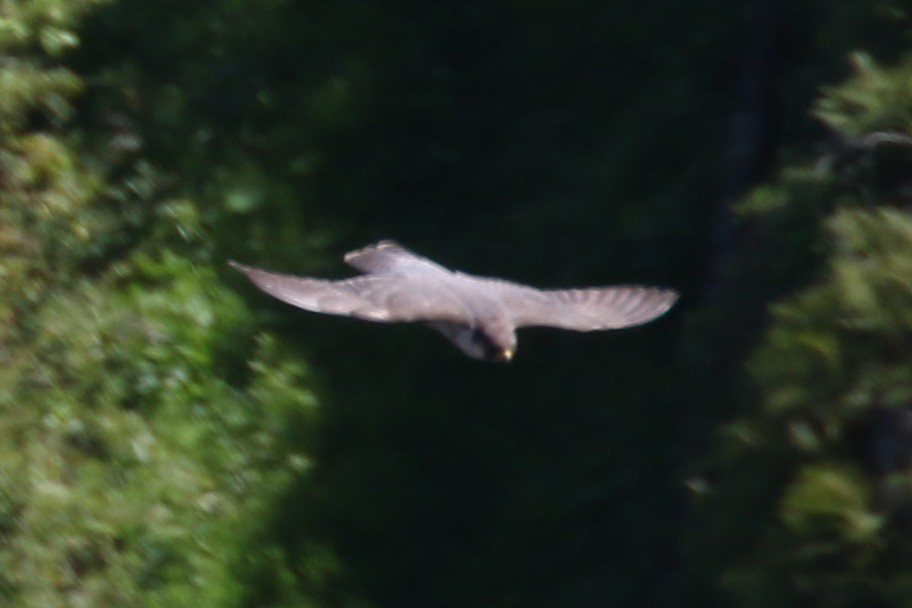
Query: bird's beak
{"points": [[505, 356]]}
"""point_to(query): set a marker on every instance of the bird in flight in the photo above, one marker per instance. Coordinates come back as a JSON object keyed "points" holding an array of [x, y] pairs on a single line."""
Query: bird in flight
{"points": [[479, 315]]}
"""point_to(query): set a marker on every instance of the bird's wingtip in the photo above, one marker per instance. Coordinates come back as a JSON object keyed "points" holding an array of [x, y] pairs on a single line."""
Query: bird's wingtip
{"points": [[242, 268], [668, 298]]}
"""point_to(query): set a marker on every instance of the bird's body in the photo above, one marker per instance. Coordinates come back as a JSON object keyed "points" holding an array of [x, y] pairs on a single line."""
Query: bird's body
{"points": [[479, 315]]}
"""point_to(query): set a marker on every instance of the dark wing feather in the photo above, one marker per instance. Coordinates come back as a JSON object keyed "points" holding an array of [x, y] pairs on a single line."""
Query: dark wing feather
{"points": [[585, 309], [371, 297], [388, 257]]}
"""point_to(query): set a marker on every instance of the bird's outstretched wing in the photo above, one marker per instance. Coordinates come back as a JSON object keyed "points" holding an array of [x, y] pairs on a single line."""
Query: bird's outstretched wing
{"points": [[389, 257], [380, 298], [584, 309]]}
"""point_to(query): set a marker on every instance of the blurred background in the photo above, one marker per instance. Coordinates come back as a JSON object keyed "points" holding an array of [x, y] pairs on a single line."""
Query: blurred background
{"points": [[169, 436]]}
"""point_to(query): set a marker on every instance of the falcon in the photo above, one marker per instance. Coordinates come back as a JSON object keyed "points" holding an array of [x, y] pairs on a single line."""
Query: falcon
{"points": [[480, 315]]}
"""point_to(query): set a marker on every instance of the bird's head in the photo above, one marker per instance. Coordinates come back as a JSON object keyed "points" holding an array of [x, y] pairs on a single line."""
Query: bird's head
{"points": [[493, 343], [483, 342]]}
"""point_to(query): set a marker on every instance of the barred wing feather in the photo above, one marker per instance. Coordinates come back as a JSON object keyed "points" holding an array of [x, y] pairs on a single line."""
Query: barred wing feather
{"points": [[370, 297], [586, 309]]}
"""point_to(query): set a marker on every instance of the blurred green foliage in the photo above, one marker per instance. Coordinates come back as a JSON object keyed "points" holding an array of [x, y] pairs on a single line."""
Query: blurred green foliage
{"points": [[146, 424], [161, 444], [806, 500]]}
